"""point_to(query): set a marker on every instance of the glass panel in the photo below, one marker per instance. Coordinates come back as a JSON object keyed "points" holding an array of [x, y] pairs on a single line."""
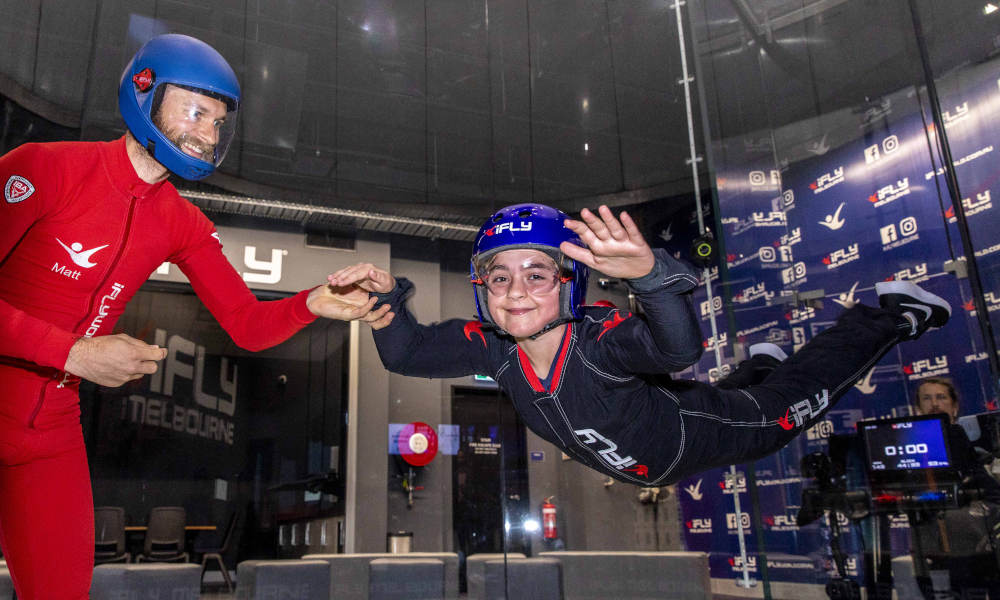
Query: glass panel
{"points": [[823, 151], [967, 88], [219, 430]]}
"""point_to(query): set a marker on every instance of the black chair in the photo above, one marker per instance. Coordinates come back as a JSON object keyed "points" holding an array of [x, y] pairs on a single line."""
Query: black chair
{"points": [[215, 552], [109, 535], [164, 535]]}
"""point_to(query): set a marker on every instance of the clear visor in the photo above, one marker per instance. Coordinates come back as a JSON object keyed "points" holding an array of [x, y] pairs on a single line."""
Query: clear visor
{"points": [[536, 275], [200, 124]]}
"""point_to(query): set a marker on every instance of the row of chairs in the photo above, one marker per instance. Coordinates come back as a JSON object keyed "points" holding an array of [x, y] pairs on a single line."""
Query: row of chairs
{"points": [[163, 542]]}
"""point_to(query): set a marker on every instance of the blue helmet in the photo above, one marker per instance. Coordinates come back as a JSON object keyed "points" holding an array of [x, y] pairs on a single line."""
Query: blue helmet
{"points": [[535, 227], [192, 65]]}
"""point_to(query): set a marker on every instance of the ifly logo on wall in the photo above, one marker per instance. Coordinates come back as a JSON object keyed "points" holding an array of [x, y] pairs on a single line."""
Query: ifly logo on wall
{"points": [[791, 238], [752, 293], [841, 257], [775, 218], [209, 416], [739, 226], [927, 367], [955, 115], [976, 357], [800, 315], [916, 274], [716, 341], [697, 526], [827, 180], [727, 485], [887, 193], [972, 207], [780, 523], [736, 563], [989, 298]]}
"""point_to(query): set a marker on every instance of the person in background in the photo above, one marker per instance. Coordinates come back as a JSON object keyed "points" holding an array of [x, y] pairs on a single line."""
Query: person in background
{"points": [[937, 395], [84, 225]]}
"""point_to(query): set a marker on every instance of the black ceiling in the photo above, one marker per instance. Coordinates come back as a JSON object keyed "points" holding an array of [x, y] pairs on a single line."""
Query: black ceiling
{"points": [[445, 109]]}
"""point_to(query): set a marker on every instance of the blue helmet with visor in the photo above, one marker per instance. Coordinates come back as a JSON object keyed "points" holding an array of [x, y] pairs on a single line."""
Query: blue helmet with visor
{"points": [[533, 227], [187, 78]]}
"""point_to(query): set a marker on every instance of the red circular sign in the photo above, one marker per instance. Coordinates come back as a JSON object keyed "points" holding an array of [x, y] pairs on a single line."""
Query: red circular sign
{"points": [[417, 443]]}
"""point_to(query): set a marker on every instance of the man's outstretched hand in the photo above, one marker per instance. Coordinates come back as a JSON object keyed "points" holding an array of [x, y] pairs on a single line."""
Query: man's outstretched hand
{"points": [[112, 360], [346, 295]]}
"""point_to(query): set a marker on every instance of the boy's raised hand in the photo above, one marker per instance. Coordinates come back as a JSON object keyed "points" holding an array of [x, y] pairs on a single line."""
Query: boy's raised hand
{"points": [[615, 248]]}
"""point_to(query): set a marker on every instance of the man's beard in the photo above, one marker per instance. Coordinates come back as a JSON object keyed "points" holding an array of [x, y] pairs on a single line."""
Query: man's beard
{"points": [[185, 140]]}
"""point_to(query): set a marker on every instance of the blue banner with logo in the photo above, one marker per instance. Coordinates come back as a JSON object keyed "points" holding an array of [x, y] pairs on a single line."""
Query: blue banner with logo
{"points": [[827, 222]]}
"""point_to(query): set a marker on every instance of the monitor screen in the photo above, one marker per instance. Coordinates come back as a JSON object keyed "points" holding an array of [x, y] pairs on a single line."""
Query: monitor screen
{"points": [[905, 444]]}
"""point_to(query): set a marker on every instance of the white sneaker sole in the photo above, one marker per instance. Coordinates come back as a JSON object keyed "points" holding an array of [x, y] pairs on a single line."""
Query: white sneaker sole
{"points": [[906, 288], [769, 349]]}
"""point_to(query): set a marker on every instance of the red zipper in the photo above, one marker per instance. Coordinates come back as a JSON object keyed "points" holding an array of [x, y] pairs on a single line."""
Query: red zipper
{"points": [[93, 298], [114, 263]]}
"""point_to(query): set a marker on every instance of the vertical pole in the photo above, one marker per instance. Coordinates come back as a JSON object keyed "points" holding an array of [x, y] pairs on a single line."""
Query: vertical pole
{"points": [[706, 275]]}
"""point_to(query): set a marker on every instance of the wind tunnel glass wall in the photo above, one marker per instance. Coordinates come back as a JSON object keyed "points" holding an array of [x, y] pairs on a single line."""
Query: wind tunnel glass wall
{"points": [[828, 177], [219, 430]]}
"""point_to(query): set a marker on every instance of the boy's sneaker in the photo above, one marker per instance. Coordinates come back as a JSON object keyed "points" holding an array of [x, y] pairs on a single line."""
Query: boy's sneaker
{"points": [[919, 310], [768, 349]]}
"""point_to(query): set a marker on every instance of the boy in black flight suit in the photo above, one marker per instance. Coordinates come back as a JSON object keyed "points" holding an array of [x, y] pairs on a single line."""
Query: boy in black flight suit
{"points": [[593, 380]]}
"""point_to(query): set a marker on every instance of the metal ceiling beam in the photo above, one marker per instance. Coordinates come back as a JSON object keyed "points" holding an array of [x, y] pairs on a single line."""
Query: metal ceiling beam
{"points": [[290, 211]]}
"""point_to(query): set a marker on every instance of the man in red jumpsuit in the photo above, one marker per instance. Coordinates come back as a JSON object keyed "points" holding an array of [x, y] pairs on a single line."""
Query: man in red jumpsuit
{"points": [[83, 226]]}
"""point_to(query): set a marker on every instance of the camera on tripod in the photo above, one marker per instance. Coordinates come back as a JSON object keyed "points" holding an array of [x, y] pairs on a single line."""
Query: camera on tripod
{"points": [[921, 466]]}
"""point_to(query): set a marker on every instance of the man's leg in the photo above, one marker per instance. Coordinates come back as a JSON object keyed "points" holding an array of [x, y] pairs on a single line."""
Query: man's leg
{"points": [[47, 519], [731, 426]]}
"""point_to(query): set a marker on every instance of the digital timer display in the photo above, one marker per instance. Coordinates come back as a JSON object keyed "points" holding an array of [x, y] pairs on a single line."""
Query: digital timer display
{"points": [[906, 445]]}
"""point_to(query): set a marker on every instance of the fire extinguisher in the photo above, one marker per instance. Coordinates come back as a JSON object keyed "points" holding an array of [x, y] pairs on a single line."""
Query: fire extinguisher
{"points": [[549, 531]]}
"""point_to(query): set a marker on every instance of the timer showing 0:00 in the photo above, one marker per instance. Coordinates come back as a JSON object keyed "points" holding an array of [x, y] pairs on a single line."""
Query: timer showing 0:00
{"points": [[907, 449]]}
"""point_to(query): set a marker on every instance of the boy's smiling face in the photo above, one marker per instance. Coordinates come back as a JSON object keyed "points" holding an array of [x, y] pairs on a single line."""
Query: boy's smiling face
{"points": [[522, 291]]}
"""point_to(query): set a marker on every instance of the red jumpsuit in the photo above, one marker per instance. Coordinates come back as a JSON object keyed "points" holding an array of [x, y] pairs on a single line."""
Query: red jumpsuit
{"points": [[79, 234]]}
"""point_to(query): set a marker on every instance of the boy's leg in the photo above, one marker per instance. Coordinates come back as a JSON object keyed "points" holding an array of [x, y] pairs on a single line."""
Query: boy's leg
{"points": [[764, 358], [729, 426]]}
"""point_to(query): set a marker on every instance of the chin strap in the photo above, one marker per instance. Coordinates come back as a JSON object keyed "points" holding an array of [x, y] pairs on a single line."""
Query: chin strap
{"points": [[551, 325]]}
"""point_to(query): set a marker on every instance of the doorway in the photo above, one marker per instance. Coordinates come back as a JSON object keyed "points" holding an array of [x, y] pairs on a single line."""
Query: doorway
{"points": [[489, 475]]}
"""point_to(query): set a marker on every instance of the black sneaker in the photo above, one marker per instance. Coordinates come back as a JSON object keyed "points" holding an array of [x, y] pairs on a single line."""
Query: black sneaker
{"points": [[920, 309]]}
